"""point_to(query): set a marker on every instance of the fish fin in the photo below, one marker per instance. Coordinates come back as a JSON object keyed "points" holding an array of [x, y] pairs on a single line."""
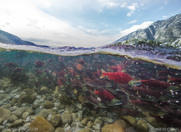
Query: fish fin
{"points": [[134, 83], [99, 99], [102, 74], [102, 71], [116, 102], [168, 78], [123, 71]]}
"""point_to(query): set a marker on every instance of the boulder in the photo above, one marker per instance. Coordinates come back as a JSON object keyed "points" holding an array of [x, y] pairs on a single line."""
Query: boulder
{"points": [[115, 127], [142, 126], [56, 120], [4, 114], [66, 118], [131, 120], [27, 99], [48, 104], [40, 124]]}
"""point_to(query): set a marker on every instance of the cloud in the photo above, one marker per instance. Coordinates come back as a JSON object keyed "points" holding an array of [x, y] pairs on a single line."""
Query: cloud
{"points": [[119, 4], [129, 14], [131, 22], [94, 32], [108, 3], [43, 21], [132, 8], [102, 4], [135, 27], [25, 20]]}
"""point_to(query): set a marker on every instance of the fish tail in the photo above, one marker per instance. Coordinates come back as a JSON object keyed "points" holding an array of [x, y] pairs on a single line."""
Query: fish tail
{"points": [[102, 74], [134, 83], [168, 78]]}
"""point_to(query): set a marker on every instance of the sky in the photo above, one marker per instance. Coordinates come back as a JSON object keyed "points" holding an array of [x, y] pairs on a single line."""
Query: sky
{"points": [[81, 23]]}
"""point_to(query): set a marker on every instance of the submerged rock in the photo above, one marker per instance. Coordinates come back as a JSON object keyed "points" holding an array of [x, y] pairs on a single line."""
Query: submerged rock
{"points": [[56, 120], [90, 124], [84, 130], [41, 125], [4, 114], [79, 106], [85, 121], [48, 104], [154, 122], [65, 100], [107, 120], [44, 90], [115, 127], [60, 129], [29, 91], [97, 126], [121, 123], [5, 83], [66, 118], [74, 116], [19, 111], [131, 120], [98, 121], [57, 91], [27, 99], [44, 113], [12, 118], [81, 98], [17, 123], [141, 126], [25, 114]]}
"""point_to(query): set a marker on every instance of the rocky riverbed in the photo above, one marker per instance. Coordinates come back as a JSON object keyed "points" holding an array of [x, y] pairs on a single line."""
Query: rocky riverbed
{"points": [[50, 110]]}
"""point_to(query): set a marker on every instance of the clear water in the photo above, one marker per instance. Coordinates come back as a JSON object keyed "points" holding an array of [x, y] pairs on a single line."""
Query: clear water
{"points": [[153, 95]]}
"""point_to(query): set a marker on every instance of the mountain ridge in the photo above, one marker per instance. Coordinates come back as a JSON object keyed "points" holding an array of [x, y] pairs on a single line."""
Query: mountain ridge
{"points": [[168, 30], [8, 38]]}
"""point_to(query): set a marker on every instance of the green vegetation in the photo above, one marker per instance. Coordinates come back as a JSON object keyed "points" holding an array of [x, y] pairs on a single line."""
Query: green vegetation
{"points": [[135, 42]]}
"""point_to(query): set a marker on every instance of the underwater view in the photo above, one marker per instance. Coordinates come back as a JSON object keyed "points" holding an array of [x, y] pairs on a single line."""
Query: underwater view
{"points": [[90, 66], [87, 93]]}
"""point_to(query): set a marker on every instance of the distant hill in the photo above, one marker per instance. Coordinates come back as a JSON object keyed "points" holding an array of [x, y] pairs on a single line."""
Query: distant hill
{"points": [[168, 30], [8, 38]]}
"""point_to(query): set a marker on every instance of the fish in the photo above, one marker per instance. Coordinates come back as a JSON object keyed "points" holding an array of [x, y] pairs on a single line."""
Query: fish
{"points": [[176, 80], [72, 72], [59, 58], [147, 90], [127, 111], [61, 73], [173, 112], [59, 82], [107, 87], [10, 64], [95, 101], [139, 102], [81, 61], [144, 105], [107, 96], [168, 119], [119, 77], [78, 66], [154, 83], [39, 63]]}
